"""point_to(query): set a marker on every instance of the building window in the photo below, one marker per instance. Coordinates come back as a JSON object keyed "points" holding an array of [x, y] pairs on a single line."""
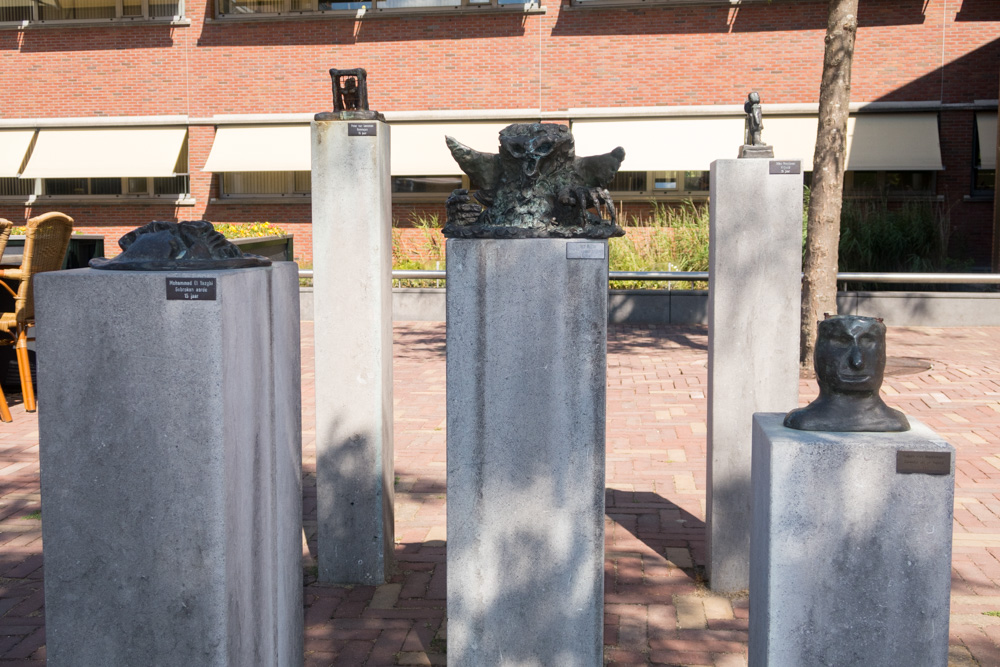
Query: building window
{"points": [[171, 186], [660, 183], [237, 8], [298, 184], [20, 188], [22, 11], [984, 162], [265, 184], [402, 185], [889, 183]]}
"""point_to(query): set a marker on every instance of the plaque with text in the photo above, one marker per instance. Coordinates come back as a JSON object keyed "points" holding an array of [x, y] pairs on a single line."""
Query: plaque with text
{"points": [[190, 289], [362, 129], [785, 167], [923, 463], [585, 250]]}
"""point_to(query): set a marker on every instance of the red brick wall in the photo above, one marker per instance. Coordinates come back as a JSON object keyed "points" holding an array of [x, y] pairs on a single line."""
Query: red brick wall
{"points": [[912, 50]]}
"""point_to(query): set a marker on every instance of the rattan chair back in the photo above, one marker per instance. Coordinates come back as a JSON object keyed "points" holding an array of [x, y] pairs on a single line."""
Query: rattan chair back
{"points": [[5, 227], [45, 244]]}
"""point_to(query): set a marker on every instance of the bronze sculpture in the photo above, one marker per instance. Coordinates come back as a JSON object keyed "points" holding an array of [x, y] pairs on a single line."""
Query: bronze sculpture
{"points": [[755, 120], [190, 245], [534, 187], [850, 365], [350, 96]]}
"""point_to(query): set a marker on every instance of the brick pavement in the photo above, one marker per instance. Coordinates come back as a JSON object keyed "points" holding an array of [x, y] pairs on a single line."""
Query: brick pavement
{"points": [[657, 612]]}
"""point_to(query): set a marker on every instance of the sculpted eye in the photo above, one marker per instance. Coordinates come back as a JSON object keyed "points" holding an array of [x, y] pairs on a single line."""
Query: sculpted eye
{"points": [[544, 148]]}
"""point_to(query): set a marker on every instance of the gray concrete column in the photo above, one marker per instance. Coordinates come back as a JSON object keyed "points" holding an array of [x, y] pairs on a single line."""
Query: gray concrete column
{"points": [[755, 260], [851, 554], [170, 447], [527, 329], [352, 264]]}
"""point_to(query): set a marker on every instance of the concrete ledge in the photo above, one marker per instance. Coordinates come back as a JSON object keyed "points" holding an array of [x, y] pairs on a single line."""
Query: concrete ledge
{"points": [[925, 309]]}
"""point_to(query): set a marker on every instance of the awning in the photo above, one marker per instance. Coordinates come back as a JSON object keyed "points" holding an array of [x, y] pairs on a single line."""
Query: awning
{"points": [[419, 149], [13, 145], [874, 141], [986, 125], [106, 152], [675, 144], [260, 148]]}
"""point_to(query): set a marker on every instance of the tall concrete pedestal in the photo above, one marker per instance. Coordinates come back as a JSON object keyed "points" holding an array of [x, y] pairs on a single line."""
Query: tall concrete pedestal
{"points": [[755, 260], [170, 446], [527, 328], [851, 560], [352, 306]]}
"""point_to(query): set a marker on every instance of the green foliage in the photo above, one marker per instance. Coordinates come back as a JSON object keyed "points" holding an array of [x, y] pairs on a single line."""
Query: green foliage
{"points": [[909, 237], [991, 613], [34, 516], [674, 238], [432, 246], [248, 230]]}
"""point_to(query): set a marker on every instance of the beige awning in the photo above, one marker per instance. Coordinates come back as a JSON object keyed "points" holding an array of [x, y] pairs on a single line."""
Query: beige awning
{"points": [[260, 148], [419, 149], [106, 152], [13, 145], [986, 125], [874, 141], [675, 144]]}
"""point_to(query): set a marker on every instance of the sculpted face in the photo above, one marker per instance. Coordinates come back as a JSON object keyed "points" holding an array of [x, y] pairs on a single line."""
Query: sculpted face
{"points": [[850, 354]]}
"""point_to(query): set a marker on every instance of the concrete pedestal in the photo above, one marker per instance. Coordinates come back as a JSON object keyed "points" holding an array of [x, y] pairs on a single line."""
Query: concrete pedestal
{"points": [[527, 328], [755, 259], [352, 264], [170, 446], [851, 560]]}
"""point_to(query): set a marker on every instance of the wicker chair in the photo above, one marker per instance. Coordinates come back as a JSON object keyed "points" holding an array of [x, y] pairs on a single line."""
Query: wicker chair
{"points": [[45, 244], [5, 227]]}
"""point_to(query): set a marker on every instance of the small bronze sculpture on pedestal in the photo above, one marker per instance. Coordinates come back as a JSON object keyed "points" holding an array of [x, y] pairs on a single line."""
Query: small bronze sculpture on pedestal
{"points": [[850, 365], [753, 145], [189, 245], [350, 96]]}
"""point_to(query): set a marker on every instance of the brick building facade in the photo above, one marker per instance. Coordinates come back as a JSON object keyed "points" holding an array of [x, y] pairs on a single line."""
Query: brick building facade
{"points": [[664, 78]]}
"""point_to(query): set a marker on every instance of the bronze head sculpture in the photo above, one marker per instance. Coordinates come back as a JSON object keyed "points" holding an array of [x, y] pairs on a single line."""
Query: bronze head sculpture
{"points": [[850, 365]]}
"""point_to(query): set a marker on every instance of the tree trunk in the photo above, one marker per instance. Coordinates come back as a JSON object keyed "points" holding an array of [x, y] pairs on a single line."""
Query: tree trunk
{"points": [[819, 285]]}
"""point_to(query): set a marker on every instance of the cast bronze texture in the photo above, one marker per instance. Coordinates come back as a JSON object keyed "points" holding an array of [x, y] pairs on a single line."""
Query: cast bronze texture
{"points": [[534, 187], [190, 245], [850, 364], [350, 96]]}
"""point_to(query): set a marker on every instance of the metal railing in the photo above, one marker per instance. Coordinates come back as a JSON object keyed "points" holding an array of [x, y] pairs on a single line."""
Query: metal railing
{"points": [[700, 276]]}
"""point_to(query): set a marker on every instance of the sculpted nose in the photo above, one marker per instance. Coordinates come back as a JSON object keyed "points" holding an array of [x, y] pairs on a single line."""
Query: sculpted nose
{"points": [[855, 359]]}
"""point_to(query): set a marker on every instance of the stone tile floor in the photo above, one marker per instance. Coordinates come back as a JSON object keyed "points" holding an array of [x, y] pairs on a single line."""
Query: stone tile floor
{"points": [[657, 612]]}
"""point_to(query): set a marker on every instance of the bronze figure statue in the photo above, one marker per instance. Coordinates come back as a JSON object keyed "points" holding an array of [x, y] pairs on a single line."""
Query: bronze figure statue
{"points": [[535, 186], [755, 120], [190, 245], [850, 365]]}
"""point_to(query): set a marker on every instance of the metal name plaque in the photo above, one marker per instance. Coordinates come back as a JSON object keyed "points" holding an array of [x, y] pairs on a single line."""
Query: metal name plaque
{"points": [[362, 129], [585, 250], [923, 463], [190, 289], [785, 167]]}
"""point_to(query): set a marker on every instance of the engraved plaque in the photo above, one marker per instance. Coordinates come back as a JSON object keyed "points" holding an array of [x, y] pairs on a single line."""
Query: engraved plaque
{"points": [[190, 289], [362, 129], [785, 167], [923, 463], [585, 250]]}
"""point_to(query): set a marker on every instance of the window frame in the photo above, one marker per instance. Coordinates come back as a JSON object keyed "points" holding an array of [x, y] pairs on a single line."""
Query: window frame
{"points": [[376, 9], [150, 192], [119, 18], [977, 159], [659, 194]]}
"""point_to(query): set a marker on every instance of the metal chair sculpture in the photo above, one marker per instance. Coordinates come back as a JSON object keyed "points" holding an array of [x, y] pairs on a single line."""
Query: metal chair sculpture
{"points": [[45, 244]]}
